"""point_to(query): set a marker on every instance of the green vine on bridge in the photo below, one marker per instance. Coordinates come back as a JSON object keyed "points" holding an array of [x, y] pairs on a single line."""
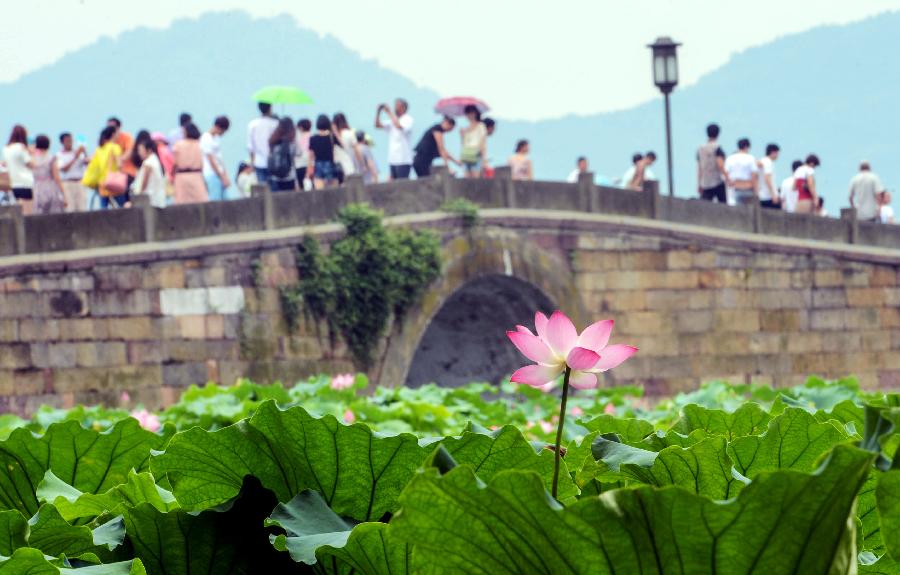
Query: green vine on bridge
{"points": [[369, 274]]}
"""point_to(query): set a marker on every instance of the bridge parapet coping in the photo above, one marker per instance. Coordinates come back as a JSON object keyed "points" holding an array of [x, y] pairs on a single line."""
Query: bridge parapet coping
{"points": [[265, 210]]}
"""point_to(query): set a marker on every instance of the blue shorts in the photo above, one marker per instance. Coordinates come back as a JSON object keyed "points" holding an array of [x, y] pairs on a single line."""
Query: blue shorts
{"points": [[324, 170], [473, 167], [214, 188]]}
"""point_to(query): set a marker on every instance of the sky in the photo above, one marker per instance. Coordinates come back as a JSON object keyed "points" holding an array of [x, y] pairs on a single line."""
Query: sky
{"points": [[577, 56]]}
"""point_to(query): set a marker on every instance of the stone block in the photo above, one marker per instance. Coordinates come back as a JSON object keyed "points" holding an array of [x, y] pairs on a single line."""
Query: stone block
{"points": [[30, 382], [101, 354], [201, 301], [737, 298], [54, 355], [122, 303], [644, 323], [841, 341], [38, 330], [22, 305], [876, 340], [301, 347], [829, 298], [769, 279], [883, 276], [133, 328], [164, 276], [593, 261], [737, 320], [204, 277], [767, 342], [215, 327], [802, 278], [643, 260], [83, 329], [783, 320], [202, 350], [889, 317], [694, 321], [9, 330], [804, 342], [867, 297], [828, 278], [704, 259], [147, 352], [119, 278], [697, 343], [192, 326], [785, 299], [613, 300], [679, 259], [185, 374], [827, 319]]}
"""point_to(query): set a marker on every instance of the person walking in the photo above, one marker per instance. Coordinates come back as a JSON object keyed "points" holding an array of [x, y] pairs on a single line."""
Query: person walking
{"points": [[474, 143], [301, 160], [346, 155], [321, 154], [399, 129], [805, 184], [106, 160], [214, 174], [581, 167], [19, 164], [520, 164], [865, 191], [126, 143], [177, 134], [189, 184], [433, 146], [369, 167], [742, 174], [711, 175], [768, 193], [282, 149], [259, 130], [150, 180], [48, 186], [71, 162], [788, 189]]}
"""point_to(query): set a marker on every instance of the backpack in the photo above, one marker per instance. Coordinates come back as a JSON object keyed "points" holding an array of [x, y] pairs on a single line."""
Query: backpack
{"points": [[281, 160]]}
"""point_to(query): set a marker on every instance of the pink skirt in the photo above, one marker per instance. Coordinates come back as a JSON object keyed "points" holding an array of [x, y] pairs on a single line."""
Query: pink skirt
{"points": [[190, 188]]}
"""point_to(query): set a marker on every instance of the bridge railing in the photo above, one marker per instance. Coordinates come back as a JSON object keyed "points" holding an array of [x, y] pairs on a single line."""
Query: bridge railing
{"points": [[270, 211]]}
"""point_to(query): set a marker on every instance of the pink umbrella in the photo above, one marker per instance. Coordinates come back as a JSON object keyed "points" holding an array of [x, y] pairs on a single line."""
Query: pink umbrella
{"points": [[455, 106]]}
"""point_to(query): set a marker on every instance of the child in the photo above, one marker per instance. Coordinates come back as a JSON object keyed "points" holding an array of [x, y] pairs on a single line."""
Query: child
{"points": [[368, 168], [885, 212], [245, 179], [151, 179]]}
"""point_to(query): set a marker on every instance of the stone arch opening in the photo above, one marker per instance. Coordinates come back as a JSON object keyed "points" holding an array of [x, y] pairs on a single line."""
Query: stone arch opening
{"points": [[466, 339]]}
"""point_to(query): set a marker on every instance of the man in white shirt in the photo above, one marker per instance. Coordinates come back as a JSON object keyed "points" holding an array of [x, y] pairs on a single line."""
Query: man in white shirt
{"points": [[399, 128], [258, 133], [768, 193], [581, 167], [865, 188], [788, 190], [743, 175], [214, 173], [72, 163]]}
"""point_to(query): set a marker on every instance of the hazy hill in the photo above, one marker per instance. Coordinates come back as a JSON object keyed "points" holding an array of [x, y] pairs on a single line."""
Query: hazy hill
{"points": [[829, 90]]}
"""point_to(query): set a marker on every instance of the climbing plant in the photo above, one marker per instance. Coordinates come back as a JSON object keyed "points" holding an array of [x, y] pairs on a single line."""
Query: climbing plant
{"points": [[367, 275]]}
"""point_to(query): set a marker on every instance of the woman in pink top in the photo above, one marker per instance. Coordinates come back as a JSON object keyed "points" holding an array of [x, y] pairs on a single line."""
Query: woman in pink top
{"points": [[189, 184]]}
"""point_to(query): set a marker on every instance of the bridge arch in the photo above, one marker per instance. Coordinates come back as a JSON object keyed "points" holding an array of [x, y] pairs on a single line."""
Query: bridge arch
{"points": [[490, 282]]}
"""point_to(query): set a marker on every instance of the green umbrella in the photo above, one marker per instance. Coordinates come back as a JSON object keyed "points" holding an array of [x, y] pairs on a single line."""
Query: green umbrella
{"points": [[282, 95]]}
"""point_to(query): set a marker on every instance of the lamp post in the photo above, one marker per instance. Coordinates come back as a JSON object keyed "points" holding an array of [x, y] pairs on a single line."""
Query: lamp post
{"points": [[665, 76]]}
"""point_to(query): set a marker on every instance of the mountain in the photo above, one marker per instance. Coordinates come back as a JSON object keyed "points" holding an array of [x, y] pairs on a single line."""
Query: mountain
{"points": [[830, 90]]}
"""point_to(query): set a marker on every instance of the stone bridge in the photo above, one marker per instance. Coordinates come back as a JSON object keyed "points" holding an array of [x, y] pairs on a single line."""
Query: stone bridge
{"points": [[150, 300]]}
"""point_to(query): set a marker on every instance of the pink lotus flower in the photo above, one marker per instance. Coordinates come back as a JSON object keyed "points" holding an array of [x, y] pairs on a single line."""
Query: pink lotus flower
{"points": [[342, 381], [148, 421], [610, 409], [349, 416], [577, 411], [558, 345], [546, 426], [125, 398]]}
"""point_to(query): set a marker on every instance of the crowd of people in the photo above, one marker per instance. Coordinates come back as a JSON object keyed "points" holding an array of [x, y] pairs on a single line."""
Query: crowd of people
{"points": [[186, 166], [740, 178]]}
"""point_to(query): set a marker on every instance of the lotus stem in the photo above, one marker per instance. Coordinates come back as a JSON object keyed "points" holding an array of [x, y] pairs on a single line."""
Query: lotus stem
{"points": [[559, 431]]}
